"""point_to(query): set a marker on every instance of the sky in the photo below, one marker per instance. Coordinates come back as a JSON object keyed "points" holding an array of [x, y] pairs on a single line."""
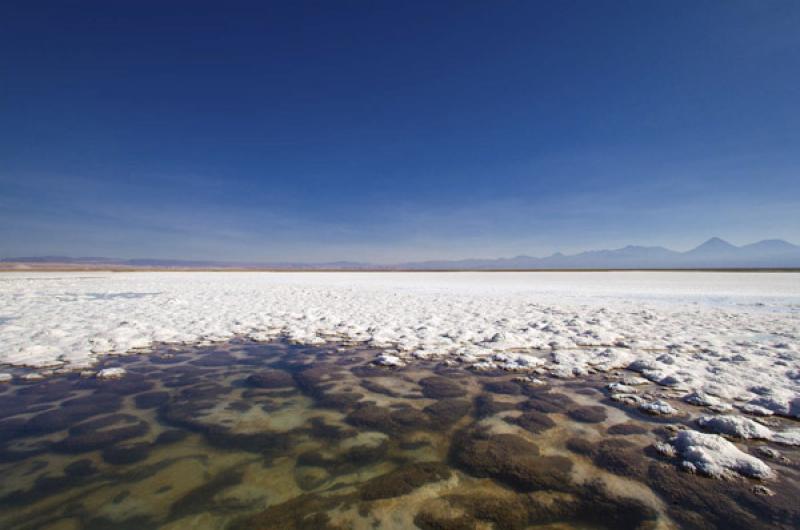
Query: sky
{"points": [[395, 131]]}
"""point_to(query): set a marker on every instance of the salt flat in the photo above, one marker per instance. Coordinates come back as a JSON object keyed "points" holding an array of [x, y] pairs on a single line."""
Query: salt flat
{"points": [[725, 337]]}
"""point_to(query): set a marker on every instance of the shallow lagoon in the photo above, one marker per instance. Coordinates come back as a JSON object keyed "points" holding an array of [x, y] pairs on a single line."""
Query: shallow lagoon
{"points": [[247, 435]]}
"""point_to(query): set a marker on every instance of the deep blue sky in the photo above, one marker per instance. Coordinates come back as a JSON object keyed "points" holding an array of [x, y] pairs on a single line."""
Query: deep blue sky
{"points": [[388, 131]]}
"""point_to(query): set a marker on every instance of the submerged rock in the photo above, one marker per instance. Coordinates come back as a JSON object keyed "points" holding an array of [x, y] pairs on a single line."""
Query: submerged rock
{"points": [[310, 477], [188, 414], [503, 387], [619, 456], [150, 400], [548, 402], [171, 436], [533, 421], [377, 388], [446, 412], [80, 468], [616, 455], [486, 405], [409, 418], [404, 480], [71, 412], [504, 510], [439, 387], [626, 429], [270, 379], [47, 391], [305, 512], [101, 432], [696, 502], [372, 417], [126, 454], [215, 359], [593, 414], [510, 459], [391, 421], [204, 391], [338, 400]]}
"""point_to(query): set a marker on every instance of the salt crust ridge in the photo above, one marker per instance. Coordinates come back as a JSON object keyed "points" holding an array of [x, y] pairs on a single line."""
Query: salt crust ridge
{"points": [[705, 334], [745, 428], [714, 456]]}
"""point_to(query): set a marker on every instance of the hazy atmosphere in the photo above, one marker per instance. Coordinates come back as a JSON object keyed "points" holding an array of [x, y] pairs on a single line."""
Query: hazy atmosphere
{"points": [[388, 132]]}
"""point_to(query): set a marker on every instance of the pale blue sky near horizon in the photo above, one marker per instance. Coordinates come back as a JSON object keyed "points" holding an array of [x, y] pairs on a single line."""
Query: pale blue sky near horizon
{"points": [[387, 132]]}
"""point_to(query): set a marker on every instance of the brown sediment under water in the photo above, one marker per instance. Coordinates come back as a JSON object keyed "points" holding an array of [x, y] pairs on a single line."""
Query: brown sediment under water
{"points": [[248, 435]]}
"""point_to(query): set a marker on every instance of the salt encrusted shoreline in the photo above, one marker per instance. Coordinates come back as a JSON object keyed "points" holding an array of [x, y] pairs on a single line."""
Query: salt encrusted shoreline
{"points": [[725, 338]]}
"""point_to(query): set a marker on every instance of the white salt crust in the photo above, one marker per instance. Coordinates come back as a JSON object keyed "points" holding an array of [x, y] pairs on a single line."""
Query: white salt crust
{"points": [[111, 373], [714, 456], [741, 427], [658, 408], [717, 337]]}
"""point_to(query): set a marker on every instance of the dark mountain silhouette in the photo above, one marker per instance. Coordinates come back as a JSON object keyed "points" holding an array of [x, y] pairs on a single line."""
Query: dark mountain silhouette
{"points": [[715, 253]]}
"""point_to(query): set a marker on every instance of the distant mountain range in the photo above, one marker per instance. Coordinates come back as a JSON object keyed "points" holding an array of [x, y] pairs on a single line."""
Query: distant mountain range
{"points": [[715, 253]]}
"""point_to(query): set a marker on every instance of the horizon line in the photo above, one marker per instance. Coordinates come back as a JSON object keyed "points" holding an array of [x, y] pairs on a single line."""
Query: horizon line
{"points": [[283, 263]]}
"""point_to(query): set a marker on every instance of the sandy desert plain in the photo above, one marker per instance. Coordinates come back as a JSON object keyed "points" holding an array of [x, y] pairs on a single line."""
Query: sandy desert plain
{"points": [[450, 400]]}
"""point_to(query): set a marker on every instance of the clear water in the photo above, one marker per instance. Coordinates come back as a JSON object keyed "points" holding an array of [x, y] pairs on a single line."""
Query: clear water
{"points": [[274, 435]]}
